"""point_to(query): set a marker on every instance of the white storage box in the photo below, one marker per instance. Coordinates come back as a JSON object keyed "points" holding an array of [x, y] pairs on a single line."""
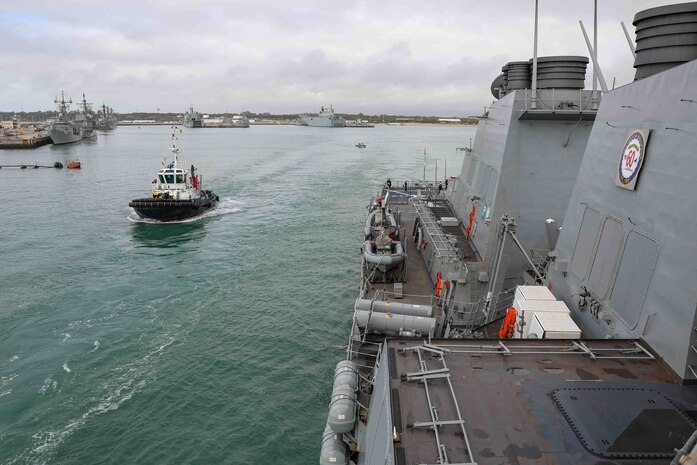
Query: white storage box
{"points": [[553, 325], [449, 221], [533, 293], [527, 309]]}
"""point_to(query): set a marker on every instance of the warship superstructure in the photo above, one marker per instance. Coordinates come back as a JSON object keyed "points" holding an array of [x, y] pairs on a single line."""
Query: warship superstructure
{"points": [[86, 119], [326, 118], [542, 309], [64, 131]]}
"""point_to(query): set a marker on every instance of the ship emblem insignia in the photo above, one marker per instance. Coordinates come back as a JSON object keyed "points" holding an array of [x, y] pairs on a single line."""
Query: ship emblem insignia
{"points": [[632, 159]]}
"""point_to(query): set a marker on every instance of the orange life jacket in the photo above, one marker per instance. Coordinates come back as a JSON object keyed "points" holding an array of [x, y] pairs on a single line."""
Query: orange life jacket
{"points": [[508, 327]]}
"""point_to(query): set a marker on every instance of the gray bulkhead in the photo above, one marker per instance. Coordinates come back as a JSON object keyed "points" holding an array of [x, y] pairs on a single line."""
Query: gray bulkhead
{"points": [[633, 253], [523, 164], [380, 447]]}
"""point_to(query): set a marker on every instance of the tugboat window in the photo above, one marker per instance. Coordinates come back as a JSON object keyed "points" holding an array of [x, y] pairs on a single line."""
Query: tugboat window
{"points": [[162, 179], [169, 178], [180, 178]]}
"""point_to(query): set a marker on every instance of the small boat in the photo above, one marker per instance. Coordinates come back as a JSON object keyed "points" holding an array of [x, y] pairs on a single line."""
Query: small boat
{"points": [[74, 165], [176, 193], [383, 252], [360, 145]]}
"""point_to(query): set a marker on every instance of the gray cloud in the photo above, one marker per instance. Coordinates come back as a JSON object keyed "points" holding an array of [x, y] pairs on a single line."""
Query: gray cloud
{"points": [[409, 56]]}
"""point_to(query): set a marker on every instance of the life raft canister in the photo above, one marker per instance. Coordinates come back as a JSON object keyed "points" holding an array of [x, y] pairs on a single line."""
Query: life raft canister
{"points": [[508, 327]]}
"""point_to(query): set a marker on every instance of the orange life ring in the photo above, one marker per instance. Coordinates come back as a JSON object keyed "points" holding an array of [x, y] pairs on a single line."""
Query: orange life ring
{"points": [[508, 327]]}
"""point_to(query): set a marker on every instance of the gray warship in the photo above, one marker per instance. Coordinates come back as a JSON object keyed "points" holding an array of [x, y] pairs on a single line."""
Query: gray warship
{"points": [[86, 120], [326, 118], [106, 121], [541, 309], [63, 130], [193, 119]]}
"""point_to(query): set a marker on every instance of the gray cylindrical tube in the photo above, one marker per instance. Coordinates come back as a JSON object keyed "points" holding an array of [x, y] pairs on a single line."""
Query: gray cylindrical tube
{"points": [[334, 450], [342, 409], [346, 374], [395, 307], [395, 323]]}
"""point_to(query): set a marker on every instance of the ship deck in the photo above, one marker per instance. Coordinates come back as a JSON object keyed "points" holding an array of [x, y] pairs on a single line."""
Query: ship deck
{"points": [[417, 285], [535, 402]]}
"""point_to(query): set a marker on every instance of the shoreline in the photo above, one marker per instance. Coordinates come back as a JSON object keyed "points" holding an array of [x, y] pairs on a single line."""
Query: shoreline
{"points": [[291, 123]]}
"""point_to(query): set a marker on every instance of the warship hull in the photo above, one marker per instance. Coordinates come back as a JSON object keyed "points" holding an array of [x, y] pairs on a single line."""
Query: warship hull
{"points": [[65, 134], [323, 122], [173, 210], [516, 340]]}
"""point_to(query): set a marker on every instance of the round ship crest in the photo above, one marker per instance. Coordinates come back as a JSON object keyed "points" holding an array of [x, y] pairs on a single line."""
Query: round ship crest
{"points": [[632, 157]]}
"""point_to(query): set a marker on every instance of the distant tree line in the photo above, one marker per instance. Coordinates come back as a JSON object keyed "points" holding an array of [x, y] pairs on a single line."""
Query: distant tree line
{"points": [[44, 115]]}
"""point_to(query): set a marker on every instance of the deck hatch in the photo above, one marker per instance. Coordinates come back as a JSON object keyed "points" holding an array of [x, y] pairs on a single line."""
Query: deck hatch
{"points": [[624, 422]]}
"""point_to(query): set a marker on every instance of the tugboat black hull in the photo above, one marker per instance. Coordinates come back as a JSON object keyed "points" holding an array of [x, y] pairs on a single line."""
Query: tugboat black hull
{"points": [[171, 209]]}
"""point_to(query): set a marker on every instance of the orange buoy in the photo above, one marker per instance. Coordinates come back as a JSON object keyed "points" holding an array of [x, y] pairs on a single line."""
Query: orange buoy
{"points": [[73, 165]]}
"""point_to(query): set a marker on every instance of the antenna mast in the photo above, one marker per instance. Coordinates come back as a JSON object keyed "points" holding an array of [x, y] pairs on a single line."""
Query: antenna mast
{"points": [[594, 104], [533, 98]]}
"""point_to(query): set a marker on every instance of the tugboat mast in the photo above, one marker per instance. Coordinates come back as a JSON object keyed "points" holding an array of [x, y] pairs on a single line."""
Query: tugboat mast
{"points": [[175, 149]]}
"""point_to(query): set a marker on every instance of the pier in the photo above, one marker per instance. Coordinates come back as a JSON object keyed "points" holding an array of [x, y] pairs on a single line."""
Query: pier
{"points": [[24, 138]]}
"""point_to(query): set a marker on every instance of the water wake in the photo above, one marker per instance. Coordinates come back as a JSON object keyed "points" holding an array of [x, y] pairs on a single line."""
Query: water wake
{"points": [[131, 380]]}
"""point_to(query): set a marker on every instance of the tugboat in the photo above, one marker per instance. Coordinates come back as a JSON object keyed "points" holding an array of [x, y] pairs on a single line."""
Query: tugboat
{"points": [[176, 193]]}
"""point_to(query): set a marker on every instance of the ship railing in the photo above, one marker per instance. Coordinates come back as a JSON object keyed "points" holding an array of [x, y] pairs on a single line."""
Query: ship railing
{"points": [[540, 259], [426, 188], [439, 239], [552, 100], [471, 316], [416, 299]]}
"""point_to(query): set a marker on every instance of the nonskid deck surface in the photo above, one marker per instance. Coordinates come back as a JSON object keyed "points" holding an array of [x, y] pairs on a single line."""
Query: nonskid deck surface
{"points": [[536, 402]]}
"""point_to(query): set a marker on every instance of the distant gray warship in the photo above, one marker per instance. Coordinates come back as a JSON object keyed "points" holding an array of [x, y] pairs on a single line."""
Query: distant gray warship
{"points": [[106, 120], [484, 333], [64, 131], [86, 120], [325, 119], [193, 119]]}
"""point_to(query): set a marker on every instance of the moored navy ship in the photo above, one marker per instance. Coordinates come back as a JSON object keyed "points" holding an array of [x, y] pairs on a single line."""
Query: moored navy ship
{"points": [[502, 338], [64, 131], [325, 119], [87, 120], [193, 119], [106, 120], [176, 193]]}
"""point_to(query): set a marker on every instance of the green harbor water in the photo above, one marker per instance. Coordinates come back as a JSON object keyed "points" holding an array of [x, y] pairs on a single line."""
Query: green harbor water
{"points": [[204, 342]]}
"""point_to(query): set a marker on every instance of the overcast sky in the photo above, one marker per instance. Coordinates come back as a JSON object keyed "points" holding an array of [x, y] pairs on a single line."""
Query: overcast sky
{"points": [[426, 57]]}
